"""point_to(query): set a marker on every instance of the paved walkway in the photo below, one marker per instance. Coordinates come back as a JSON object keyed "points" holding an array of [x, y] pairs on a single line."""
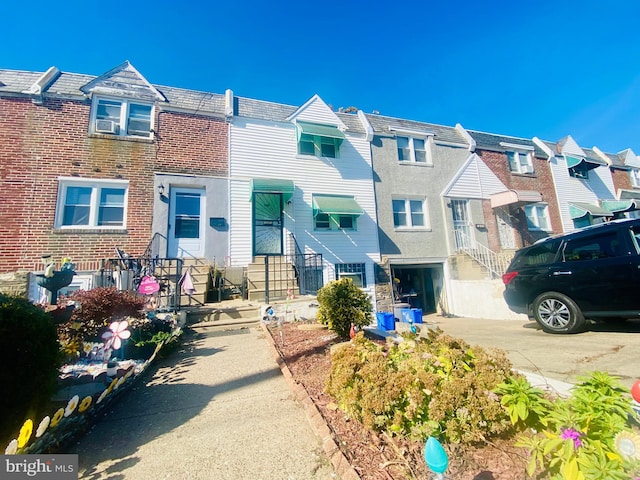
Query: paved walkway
{"points": [[219, 409]]}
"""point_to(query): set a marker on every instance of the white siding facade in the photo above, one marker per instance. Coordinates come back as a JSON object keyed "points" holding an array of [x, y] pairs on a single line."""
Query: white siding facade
{"points": [[268, 149]]}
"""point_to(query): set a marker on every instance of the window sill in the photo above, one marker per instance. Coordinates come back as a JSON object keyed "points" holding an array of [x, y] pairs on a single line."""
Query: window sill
{"points": [[91, 230], [416, 164], [412, 229], [121, 138], [526, 175]]}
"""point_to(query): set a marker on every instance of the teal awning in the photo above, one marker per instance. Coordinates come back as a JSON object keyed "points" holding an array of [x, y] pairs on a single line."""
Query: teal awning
{"points": [[620, 206], [319, 130], [579, 210], [336, 205], [273, 185], [588, 163]]}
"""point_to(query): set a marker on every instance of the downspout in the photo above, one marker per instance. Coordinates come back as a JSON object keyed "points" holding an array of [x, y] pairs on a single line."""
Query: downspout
{"points": [[228, 114]]}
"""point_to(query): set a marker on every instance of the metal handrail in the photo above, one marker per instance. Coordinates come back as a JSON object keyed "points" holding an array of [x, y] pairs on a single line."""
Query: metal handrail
{"points": [[495, 263]]}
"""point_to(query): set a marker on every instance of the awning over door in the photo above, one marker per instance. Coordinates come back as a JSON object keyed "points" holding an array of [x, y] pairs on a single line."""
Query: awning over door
{"points": [[336, 205], [273, 185], [588, 163], [579, 210], [515, 198]]}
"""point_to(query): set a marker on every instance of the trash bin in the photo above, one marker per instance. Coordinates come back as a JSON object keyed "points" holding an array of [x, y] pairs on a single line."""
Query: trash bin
{"points": [[397, 310], [385, 321], [411, 315]]}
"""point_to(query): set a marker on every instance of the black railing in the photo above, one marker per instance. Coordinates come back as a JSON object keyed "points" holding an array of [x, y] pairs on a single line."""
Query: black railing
{"points": [[309, 269], [127, 273]]}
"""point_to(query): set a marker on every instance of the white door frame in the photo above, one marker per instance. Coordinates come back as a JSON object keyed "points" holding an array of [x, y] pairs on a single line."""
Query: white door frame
{"points": [[188, 245]]}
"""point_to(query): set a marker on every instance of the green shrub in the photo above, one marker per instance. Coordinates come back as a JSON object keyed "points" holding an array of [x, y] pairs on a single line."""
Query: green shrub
{"points": [[341, 304], [436, 386], [29, 355]]}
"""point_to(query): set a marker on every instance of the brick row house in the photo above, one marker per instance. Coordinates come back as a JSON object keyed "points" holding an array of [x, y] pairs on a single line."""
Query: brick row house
{"points": [[417, 214]]}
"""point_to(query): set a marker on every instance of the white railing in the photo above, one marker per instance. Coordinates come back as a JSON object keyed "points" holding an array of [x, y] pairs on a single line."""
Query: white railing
{"points": [[495, 263]]}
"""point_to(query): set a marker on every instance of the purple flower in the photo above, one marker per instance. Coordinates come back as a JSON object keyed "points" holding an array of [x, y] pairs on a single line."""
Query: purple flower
{"points": [[572, 434]]}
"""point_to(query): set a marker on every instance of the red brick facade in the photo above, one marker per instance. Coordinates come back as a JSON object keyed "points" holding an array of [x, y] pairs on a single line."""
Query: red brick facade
{"points": [[40, 143], [540, 181]]}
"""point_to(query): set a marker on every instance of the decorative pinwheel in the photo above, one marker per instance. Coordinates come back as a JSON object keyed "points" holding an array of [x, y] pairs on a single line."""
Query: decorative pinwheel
{"points": [[116, 333]]}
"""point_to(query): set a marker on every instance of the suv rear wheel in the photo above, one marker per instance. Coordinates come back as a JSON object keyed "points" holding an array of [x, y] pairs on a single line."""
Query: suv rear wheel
{"points": [[557, 313]]}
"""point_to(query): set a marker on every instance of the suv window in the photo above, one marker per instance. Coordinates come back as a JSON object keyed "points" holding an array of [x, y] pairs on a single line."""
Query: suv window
{"points": [[536, 255], [593, 248]]}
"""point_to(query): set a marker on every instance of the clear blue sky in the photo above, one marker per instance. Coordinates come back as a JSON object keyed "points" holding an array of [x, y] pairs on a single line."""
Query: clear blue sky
{"points": [[546, 68]]}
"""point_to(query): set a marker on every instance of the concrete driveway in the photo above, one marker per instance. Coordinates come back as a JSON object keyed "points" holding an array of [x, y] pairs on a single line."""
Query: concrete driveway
{"points": [[613, 348]]}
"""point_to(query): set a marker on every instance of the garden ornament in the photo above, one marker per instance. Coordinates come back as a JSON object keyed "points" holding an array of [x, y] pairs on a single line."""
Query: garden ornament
{"points": [[436, 457]]}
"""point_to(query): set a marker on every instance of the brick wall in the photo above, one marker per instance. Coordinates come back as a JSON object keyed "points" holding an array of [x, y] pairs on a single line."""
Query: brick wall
{"points": [[40, 143], [541, 181]]}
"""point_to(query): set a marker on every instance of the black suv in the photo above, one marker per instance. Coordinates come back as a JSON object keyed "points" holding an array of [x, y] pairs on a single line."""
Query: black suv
{"points": [[593, 272]]}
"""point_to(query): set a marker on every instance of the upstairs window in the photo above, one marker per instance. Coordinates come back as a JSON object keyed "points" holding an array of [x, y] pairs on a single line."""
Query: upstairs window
{"points": [[91, 204], [537, 217], [579, 171], [409, 213], [319, 140], [634, 175], [122, 118], [411, 149], [520, 162]]}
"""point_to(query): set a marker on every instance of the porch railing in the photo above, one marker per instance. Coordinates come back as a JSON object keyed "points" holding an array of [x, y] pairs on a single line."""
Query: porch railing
{"points": [[309, 269], [126, 273], [495, 263]]}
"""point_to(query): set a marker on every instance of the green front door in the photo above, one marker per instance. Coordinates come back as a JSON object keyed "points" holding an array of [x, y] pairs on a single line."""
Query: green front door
{"points": [[267, 223]]}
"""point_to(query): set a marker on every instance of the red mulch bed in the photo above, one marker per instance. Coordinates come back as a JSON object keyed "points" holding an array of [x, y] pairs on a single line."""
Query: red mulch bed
{"points": [[378, 456]]}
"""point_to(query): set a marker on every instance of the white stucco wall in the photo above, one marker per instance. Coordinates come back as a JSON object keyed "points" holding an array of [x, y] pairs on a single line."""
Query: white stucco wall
{"points": [[480, 299]]}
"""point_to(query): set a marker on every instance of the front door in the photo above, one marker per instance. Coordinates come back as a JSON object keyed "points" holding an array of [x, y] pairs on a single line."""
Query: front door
{"points": [[462, 224], [186, 223], [267, 223], [505, 230]]}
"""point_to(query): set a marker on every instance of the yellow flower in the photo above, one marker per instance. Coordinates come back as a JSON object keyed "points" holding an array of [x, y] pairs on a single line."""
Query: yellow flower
{"points": [[44, 424], [12, 448], [628, 445], [71, 406], [25, 433], [104, 393], [57, 417], [86, 403]]}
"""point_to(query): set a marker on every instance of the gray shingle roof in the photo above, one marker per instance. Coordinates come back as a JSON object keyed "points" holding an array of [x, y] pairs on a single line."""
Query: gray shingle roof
{"points": [[491, 141], [381, 126]]}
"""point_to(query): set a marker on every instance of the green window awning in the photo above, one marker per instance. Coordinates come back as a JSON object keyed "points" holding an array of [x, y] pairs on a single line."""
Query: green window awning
{"points": [[620, 206], [579, 210], [336, 205], [319, 130], [273, 185], [588, 163]]}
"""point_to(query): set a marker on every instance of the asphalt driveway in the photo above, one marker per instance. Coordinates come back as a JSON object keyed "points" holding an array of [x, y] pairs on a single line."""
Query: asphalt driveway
{"points": [[613, 347]]}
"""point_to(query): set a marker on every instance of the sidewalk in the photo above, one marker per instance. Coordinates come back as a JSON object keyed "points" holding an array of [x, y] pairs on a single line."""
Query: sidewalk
{"points": [[218, 409]]}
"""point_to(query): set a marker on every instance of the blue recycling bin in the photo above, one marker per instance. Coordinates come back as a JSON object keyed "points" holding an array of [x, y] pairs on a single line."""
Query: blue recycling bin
{"points": [[385, 321], [411, 315]]}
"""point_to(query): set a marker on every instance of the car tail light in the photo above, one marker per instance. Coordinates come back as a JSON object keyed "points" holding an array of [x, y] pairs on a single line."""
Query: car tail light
{"points": [[507, 277]]}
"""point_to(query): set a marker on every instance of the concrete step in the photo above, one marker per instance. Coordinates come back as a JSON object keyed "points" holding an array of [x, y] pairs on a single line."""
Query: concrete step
{"points": [[208, 316]]}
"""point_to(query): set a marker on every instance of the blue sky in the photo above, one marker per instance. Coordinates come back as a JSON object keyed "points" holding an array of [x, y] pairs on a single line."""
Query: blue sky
{"points": [[546, 68]]}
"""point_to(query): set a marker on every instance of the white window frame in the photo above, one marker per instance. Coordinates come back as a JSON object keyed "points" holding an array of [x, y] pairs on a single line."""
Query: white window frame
{"points": [[520, 162], [96, 186], [409, 215], [352, 270], [124, 118], [634, 176], [413, 150], [536, 212]]}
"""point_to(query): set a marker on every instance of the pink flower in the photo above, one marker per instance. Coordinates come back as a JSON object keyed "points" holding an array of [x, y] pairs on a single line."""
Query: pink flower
{"points": [[118, 332], [572, 434]]}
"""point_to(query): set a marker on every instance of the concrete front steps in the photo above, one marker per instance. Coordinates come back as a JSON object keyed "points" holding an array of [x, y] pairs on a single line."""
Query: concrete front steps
{"points": [[282, 279], [199, 270]]}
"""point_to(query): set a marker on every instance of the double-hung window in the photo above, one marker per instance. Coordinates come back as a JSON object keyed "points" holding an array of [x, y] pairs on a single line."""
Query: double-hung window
{"points": [[410, 213], [412, 149], [537, 217], [319, 140], [95, 204], [124, 118], [335, 212], [634, 175], [520, 162], [354, 271]]}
